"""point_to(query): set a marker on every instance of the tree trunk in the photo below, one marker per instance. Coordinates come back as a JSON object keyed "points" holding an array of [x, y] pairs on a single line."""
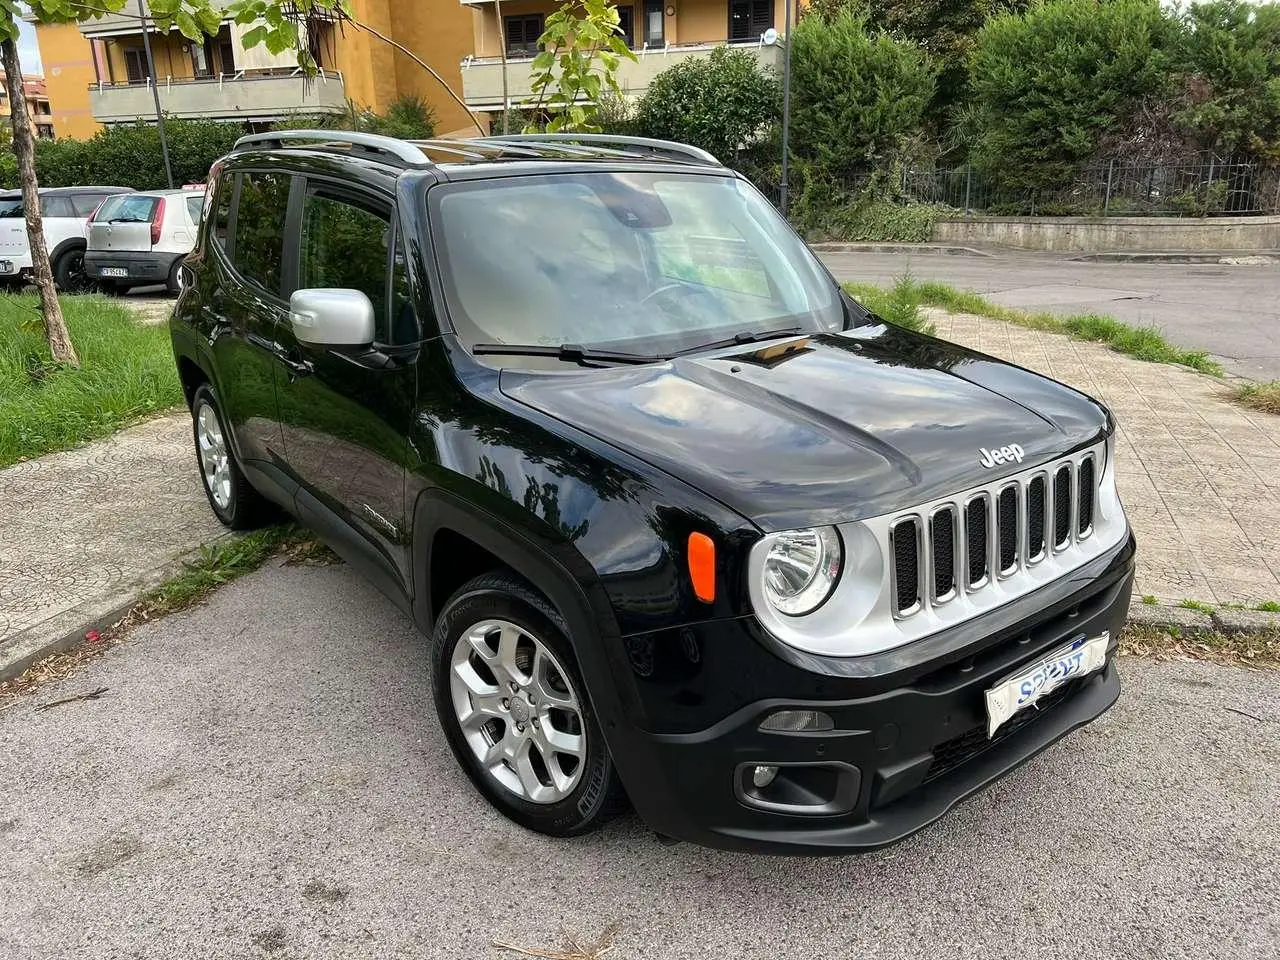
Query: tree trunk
{"points": [[24, 147], [502, 52]]}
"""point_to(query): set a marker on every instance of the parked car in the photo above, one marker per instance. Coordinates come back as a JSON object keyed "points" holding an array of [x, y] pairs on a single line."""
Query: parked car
{"points": [[66, 212], [140, 239], [685, 523]]}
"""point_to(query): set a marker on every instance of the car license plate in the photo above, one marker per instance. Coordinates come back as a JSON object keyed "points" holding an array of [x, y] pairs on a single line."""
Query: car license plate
{"points": [[1021, 690], [114, 272], [6, 266]]}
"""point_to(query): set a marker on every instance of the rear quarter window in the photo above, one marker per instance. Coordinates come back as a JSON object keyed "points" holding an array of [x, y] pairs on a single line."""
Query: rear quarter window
{"points": [[195, 206], [85, 203], [57, 207], [259, 240]]}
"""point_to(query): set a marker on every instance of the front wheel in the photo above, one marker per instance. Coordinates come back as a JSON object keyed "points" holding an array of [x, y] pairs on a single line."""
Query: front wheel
{"points": [[515, 711], [232, 497]]}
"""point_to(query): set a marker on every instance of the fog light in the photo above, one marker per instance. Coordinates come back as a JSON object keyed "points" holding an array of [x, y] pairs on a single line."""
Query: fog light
{"points": [[763, 776], [797, 721]]}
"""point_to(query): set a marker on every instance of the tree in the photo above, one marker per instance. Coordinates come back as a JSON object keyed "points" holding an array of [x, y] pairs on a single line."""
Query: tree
{"points": [[1048, 85], [720, 103], [580, 49]]}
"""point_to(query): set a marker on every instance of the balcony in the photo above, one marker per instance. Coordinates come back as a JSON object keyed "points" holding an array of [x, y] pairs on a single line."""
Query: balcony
{"points": [[243, 96], [482, 76]]}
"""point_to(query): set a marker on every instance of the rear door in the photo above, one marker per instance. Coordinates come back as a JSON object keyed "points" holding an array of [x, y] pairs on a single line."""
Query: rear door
{"points": [[123, 222]]}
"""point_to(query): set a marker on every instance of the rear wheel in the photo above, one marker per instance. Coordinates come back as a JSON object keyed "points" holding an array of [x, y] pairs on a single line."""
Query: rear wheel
{"points": [[177, 279], [68, 271], [515, 711], [232, 497]]}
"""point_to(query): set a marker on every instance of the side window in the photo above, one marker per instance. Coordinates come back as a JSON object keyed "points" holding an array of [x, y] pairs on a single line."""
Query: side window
{"points": [[85, 203], [260, 216], [195, 206], [57, 207], [221, 227], [346, 243]]}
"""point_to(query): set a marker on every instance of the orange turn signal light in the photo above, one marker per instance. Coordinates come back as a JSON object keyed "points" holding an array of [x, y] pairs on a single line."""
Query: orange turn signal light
{"points": [[702, 566]]}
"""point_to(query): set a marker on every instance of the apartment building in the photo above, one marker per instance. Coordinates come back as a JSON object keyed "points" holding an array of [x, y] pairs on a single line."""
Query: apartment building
{"points": [[39, 112], [661, 32], [99, 70]]}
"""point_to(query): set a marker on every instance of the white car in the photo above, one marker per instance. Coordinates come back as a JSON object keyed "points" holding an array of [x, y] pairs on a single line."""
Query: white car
{"points": [[66, 212], [142, 238]]}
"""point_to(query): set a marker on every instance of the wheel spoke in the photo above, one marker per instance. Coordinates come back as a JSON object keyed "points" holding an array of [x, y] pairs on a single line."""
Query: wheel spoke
{"points": [[477, 687], [508, 639], [541, 683], [559, 741], [533, 787]]}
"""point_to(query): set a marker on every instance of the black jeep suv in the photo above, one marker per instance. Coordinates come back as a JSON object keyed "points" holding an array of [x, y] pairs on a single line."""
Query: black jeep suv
{"points": [[686, 524]]}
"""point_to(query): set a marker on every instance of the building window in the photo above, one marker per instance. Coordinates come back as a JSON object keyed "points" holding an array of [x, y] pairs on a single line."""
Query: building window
{"points": [[523, 33], [44, 131], [135, 64], [202, 59], [749, 19], [226, 52], [627, 24], [653, 23]]}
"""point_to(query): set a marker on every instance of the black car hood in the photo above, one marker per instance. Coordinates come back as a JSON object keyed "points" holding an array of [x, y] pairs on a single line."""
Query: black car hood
{"points": [[840, 427]]}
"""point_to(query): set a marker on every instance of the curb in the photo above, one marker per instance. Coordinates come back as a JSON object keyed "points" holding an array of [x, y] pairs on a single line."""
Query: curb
{"points": [[1179, 256], [935, 249], [1228, 622], [66, 630]]}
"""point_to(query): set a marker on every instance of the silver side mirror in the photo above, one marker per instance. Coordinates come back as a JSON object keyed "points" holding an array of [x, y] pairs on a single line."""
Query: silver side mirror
{"points": [[332, 318]]}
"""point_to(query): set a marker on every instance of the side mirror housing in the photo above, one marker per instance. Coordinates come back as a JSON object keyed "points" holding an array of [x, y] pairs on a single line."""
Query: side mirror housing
{"points": [[332, 318]]}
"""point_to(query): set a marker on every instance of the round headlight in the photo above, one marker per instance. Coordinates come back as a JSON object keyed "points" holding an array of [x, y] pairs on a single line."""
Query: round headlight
{"points": [[801, 569]]}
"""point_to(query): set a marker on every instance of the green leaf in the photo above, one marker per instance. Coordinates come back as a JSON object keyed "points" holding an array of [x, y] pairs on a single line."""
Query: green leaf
{"points": [[254, 37]]}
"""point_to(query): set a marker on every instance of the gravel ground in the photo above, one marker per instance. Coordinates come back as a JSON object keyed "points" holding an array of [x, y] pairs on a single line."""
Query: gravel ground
{"points": [[264, 778]]}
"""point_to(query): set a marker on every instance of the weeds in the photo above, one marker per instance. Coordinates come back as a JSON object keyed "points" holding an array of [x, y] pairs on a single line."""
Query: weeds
{"points": [[1196, 605], [899, 306], [1264, 397]]}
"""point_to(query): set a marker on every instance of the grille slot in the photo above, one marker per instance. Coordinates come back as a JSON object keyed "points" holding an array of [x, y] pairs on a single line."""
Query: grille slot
{"points": [[1062, 507], [977, 539], [998, 531], [905, 537], [1085, 499], [1035, 518], [1007, 525], [942, 537]]}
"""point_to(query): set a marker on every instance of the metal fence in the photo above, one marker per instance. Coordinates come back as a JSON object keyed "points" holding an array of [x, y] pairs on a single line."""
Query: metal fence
{"points": [[1203, 188]]}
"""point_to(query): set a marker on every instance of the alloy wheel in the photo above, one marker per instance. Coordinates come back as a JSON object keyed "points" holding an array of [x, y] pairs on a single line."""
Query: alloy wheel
{"points": [[519, 713], [214, 462]]}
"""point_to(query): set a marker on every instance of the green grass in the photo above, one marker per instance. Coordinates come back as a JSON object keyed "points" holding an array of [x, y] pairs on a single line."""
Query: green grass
{"points": [[126, 372], [1149, 600], [1259, 396], [1144, 343], [1196, 605], [900, 306], [1269, 606]]}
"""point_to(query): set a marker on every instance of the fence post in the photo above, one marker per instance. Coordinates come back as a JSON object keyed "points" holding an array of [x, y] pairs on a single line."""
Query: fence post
{"points": [[1106, 201], [968, 187]]}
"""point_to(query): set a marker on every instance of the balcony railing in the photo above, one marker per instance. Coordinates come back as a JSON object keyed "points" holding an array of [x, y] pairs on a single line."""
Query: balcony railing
{"points": [[240, 96], [482, 76]]}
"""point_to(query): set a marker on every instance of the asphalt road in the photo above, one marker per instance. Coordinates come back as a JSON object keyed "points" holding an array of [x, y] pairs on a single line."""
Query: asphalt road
{"points": [[1231, 311], [264, 778]]}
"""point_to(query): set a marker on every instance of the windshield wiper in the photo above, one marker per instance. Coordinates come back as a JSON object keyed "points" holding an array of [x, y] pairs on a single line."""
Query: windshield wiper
{"points": [[746, 336], [128, 220], [572, 352]]}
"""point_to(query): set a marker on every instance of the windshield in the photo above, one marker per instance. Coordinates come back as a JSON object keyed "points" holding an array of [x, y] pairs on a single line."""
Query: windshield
{"points": [[126, 208], [650, 263]]}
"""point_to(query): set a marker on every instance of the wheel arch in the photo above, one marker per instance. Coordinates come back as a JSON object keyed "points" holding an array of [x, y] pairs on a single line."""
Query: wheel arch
{"points": [[71, 243]]}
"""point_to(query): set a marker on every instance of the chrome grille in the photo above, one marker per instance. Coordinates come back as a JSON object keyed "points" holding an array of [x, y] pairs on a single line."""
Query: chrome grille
{"points": [[996, 532]]}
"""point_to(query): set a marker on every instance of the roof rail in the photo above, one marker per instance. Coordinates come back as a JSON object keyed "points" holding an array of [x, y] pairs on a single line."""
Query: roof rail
{"points": [[667, 149], [382, 148]]}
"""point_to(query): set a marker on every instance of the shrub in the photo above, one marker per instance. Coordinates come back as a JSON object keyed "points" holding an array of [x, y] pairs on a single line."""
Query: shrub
{"points": [[1048, 84], [856, 97], [719, 103]]}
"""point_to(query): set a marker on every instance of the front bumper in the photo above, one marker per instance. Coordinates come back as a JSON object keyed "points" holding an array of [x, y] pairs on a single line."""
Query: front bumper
{"points": [[907, 744], [141, 268]]}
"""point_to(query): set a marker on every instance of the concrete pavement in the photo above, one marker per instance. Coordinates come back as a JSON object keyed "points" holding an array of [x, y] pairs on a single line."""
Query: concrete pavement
{"points": [[265, 777], [1231, 311]]}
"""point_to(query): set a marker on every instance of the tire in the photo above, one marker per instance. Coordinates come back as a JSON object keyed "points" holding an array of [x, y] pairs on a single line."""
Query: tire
{"points": [[473, 666], [174, 284], [68, 271], [232, 497]]}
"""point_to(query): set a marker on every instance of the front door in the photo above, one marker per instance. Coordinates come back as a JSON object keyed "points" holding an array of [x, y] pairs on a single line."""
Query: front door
{"points": [[345, 416]]}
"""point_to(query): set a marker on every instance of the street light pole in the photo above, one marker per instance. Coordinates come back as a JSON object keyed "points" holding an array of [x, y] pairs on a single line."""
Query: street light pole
{"points": [[155, 90], [786, 112]]}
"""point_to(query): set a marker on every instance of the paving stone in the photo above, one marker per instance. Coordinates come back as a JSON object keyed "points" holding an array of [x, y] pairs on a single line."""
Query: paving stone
{"points": [[1161, 617], [1231, 621]]}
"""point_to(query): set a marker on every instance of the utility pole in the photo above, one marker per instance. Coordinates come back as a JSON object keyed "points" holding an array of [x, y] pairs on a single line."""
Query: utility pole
{"points": [[786, 112], [155, 90]]}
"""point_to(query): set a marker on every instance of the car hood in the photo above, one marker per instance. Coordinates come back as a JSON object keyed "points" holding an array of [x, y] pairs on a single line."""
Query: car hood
{"points": [[823, 429]]}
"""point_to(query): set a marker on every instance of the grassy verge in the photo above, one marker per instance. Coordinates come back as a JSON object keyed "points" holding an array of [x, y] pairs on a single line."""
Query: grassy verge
{"points": [[127, 371], [899, 305], [1259, 396], [217, 564], [1255, 650], [1144, 343]]}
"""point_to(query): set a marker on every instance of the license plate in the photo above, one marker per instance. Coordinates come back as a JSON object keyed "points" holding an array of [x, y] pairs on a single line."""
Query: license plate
{"points": [[6, 266], [1021, 690], [114, 272]]}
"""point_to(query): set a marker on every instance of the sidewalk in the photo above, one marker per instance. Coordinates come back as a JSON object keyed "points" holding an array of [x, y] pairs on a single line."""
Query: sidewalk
{"points": [[1200, 477], [86, 531]]}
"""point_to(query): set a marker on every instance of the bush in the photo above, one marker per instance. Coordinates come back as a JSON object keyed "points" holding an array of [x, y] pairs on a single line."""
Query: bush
{"points": [[1049, 84], [719, 103], [408, 117], [857, 97]]}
